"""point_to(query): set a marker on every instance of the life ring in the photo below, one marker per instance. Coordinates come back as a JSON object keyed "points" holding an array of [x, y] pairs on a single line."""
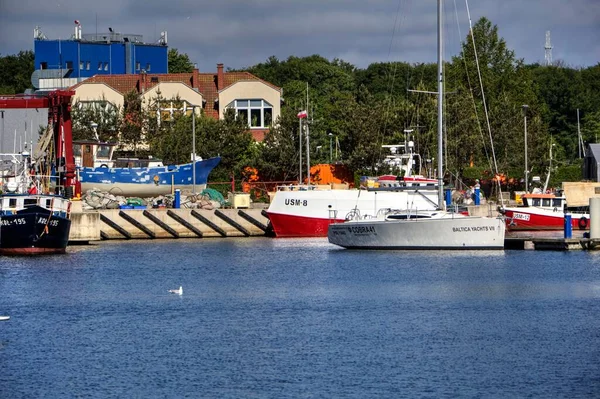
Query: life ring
{"points": [[583, 223], [104, 165]]}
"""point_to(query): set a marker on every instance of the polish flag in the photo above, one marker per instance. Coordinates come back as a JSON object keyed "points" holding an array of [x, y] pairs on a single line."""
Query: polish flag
{"points": [[302, 114]]}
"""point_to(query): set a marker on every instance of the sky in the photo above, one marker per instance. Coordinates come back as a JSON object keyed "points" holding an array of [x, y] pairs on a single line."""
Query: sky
{"points": [[242, 33]]}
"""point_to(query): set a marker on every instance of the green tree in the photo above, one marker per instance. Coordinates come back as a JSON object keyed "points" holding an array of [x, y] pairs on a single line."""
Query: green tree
{"points": [[96, 120], [15, 72], [133, 121], [179, 63]]}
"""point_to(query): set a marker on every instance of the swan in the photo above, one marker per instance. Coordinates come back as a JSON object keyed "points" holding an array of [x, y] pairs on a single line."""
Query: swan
{"points": [[178, 292], [4, 318]]}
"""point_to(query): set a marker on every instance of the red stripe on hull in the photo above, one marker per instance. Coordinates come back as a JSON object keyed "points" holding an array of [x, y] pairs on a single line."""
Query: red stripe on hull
{"points": [[539, 222], [298, 226], [32, 251]]}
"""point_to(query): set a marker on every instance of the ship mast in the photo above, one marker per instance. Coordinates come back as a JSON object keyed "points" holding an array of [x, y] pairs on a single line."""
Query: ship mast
{"points": [[440, 110]]}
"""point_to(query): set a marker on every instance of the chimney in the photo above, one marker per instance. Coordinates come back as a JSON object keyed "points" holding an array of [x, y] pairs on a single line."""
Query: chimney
{"points": [[195, 79], [219, 76]]}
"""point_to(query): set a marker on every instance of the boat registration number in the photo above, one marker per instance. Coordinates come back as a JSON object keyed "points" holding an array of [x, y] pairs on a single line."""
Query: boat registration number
{"points": [[13, 222], [295, 202], [49, 223], [521, 216]]}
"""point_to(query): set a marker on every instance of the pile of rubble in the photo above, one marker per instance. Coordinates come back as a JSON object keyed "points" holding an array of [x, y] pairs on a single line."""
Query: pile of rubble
{"points": [[97, 199]]}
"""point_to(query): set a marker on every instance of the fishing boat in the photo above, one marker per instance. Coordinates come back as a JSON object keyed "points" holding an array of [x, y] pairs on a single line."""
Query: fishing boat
{"points": [[308, 210], [438, 229], [31, 222], [133, 177], [543, 212]]}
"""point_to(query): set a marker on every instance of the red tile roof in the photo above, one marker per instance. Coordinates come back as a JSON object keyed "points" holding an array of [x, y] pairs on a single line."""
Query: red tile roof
{"points": [[206, 83]]}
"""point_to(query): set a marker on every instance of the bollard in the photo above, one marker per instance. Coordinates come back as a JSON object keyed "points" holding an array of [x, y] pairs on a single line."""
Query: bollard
{"points": [[594, 222], [568, 226], [448, 197], [177, 199], [477, 197]]}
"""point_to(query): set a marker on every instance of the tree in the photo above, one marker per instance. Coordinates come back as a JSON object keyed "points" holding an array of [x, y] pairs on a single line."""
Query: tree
{"points": [[133, 121], [15, 72], [179, 63], [97, 120]]}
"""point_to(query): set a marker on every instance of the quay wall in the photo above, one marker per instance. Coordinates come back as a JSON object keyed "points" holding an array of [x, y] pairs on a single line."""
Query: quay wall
{"points": [[119, 224]]}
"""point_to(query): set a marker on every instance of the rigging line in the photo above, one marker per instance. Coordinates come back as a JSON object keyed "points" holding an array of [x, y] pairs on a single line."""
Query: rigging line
{"points": [[394, 67], [471, 93], [487, 118]]}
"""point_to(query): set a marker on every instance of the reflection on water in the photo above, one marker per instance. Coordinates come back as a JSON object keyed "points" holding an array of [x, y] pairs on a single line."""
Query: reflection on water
{"points": [[295, 318]]}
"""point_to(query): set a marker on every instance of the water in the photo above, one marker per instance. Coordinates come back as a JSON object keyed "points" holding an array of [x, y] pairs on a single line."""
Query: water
{"points": [[287, 318]]}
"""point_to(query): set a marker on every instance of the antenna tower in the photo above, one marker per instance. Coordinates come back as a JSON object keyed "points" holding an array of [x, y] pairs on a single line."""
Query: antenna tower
{"points": [[548, 48]]}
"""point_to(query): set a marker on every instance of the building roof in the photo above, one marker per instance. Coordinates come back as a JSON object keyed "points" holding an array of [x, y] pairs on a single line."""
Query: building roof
{"points": [[205, 83]]}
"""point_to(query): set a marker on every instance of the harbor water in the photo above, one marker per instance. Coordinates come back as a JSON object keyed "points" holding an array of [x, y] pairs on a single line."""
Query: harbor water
{"points": [[298, 318]]}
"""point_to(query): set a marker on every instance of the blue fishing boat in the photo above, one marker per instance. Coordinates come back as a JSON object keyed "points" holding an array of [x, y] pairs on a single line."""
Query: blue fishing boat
{"points": [[133, 177]]}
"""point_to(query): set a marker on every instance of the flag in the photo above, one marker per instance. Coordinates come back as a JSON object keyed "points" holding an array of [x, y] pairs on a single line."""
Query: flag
{"points": [[302, 114]]}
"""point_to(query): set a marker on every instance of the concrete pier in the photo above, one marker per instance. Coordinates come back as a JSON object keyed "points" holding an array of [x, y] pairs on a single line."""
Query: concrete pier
{"points": [[124, 224]]}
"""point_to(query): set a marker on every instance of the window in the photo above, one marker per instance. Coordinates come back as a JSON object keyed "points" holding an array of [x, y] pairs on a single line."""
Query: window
{"points": [[81, 65], [69, 64], [137, 66], [43, 65], [148, 66], [87, 66], [168, 108], [99, 66], [106, 66], [258, 114]]}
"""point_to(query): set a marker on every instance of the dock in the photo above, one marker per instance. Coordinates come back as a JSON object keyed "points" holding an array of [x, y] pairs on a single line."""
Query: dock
{"points": [[551, 243], [127, 224]]}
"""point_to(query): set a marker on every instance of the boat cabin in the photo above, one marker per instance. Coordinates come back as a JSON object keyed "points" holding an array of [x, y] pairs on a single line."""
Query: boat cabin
{"points": [[549, 201], [93, 154], [10, 204], [137, 163]]}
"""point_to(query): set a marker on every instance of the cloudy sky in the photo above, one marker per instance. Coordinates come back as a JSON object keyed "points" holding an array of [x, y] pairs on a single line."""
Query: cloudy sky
{"points": [[242, 33]]}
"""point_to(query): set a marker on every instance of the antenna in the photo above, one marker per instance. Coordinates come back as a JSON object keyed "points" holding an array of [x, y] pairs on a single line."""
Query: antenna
{"points": [[548, 48]]}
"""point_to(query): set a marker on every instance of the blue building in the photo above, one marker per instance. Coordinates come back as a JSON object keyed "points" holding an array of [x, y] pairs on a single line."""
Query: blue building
{"points": [[64, 63]]}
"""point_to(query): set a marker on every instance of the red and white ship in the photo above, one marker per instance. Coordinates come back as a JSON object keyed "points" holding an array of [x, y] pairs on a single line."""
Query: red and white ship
{"points": [[307, 211], [543, 212]]}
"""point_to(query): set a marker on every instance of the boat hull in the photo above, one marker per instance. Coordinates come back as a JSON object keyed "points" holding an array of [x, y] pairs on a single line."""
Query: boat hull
{"points": [[308, 213], [33, 233], [448, 233], [536, 219], [147, 182]]}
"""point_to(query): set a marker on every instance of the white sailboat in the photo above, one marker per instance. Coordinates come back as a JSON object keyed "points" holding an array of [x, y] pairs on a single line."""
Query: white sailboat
{"points": [[422, 230]]}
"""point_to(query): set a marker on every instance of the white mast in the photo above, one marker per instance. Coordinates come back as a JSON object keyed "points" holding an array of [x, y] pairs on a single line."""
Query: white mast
{"points": [[440, 111], [307, 141], [548, 49]]}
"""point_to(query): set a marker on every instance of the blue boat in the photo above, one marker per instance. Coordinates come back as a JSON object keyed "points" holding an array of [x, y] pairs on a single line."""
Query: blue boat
{"points": [[132, 177]]}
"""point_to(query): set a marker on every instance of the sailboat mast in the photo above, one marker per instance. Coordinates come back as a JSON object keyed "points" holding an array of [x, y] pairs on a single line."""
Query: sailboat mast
{"points": [[440, 110]]}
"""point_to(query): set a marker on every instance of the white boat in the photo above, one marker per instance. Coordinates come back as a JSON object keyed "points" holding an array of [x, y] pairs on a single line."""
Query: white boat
{"points": [[420, 230], [431, 230], [307, 211]]}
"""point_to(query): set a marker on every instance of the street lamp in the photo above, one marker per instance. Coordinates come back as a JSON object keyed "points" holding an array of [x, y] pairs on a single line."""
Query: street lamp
{"points": [[330, 147], [94, 126], [525, 107]]}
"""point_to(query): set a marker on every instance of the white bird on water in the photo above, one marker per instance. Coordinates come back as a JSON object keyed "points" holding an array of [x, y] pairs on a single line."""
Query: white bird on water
{"points": [[4, 318], [178, 292]]}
